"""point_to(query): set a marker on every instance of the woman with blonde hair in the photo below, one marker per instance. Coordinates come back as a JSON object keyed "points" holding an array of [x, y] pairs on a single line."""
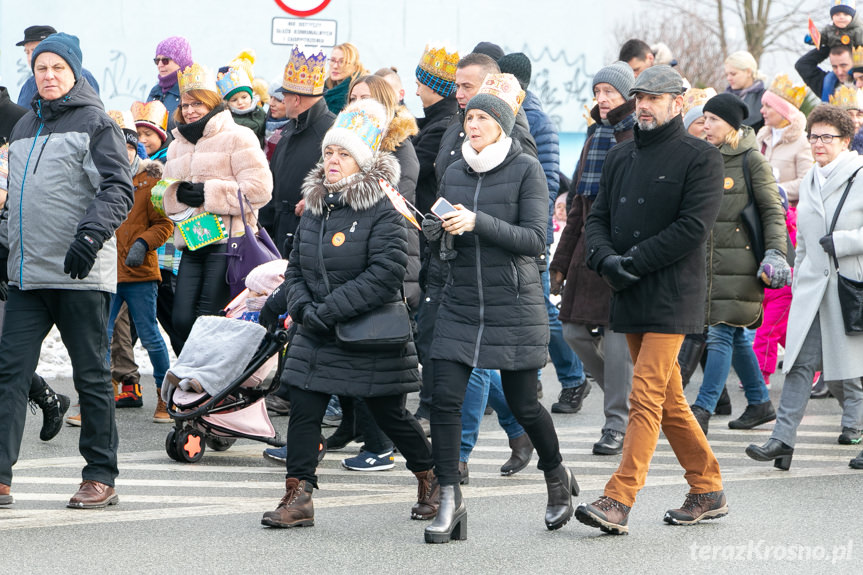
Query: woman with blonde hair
{"points": [[736, 276], [345, 66], [747, 83]]}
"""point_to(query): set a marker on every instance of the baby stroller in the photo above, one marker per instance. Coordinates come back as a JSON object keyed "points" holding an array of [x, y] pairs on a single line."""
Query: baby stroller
{"points": [[212, 413]]}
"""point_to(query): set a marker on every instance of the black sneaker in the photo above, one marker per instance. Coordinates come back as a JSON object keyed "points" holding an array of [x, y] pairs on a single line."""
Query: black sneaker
{"points": [[850, 436], [698, 507], [571, 398], [53, 406], [723, 406], [754, 415]]}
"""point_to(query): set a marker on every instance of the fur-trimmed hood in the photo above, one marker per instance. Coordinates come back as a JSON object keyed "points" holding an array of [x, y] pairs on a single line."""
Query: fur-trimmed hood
{"points": [[361, 194], [402, 127], [152, 167]]}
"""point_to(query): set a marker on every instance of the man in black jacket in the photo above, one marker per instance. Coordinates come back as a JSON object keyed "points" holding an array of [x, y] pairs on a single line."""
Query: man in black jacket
{"points": [[659, 196], [299, 149]]}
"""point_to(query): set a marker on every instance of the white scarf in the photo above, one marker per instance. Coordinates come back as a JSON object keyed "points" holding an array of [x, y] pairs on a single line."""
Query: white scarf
{"points": [[491, 156], [777, 134], [823, 172]]}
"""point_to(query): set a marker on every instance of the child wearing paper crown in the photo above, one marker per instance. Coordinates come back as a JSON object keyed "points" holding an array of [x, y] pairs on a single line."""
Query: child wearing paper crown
{"points": [[844, 28], [235, 87]]}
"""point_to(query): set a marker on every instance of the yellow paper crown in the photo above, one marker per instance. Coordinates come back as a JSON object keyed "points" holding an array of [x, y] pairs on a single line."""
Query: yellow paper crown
{"points": [[196, 77], [783, 87], [696, 97], [505, 87], [123, 118], [305, 74], [153, 113], [846, 98], [439, 63], [857, 57]]}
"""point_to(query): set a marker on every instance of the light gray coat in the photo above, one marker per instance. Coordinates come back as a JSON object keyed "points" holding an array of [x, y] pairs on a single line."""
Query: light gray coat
{"points": [[814, 287]]}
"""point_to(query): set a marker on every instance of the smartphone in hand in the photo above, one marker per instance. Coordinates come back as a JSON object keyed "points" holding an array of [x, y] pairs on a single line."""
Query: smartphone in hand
{"points": [[442, 207]]}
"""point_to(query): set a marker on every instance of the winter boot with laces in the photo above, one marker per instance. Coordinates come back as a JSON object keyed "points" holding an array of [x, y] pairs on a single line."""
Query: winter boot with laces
{"points": [[53, 406], [296, 508], [428, 496], [698, 507], [610, 515]]}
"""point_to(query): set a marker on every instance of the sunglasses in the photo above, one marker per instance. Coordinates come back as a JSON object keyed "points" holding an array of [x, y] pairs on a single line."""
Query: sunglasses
{"points": [[163, 61]]}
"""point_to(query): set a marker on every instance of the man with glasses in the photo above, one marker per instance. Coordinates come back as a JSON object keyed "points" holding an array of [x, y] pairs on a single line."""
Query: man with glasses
{"points": [[32, 36], [172, 54]]}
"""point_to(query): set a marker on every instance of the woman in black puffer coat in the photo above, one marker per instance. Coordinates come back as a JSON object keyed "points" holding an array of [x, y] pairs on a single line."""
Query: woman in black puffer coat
{"points": [[352, 233], [492, 311]]}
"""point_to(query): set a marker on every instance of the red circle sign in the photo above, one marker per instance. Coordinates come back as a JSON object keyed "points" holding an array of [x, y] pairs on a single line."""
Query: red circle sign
{"points": [[302, 8]]}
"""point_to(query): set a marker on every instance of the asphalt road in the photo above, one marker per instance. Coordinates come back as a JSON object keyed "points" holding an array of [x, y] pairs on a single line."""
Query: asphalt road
{"points": [[205, 518]]}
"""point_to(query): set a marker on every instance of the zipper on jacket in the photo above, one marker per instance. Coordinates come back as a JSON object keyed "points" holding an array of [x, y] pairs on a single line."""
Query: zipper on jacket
{"points": [[21, 206], [314, 361], [478, 279], [38, 158]]}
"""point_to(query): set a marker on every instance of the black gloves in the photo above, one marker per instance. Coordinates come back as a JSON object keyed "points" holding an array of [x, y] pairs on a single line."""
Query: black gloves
{"points": [[191, 194], [311, 320], [137, 253], [827, 245], [4, 291], [82, 255], [4, 272], [613, 270], [269, 315]]}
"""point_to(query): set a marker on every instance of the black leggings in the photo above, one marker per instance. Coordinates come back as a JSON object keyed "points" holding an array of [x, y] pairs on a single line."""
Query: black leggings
{"points": [[519, 388], [304, 430], [201, 287]]}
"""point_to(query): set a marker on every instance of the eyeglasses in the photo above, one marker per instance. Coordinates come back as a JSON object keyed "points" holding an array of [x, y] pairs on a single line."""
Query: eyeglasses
{"points": [[825, 138], [193, 106], [163, 61]]}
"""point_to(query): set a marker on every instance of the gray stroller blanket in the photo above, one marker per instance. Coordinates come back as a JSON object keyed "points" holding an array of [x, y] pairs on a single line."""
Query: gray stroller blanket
{"points": [[217, 352]]}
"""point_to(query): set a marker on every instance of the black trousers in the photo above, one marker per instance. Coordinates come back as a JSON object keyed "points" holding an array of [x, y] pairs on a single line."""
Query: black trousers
{"points": [[37, 384], [201, 287], [304, 430], [519, 388], [426, 316], [82, 318], [165, 309], [374, 439]]}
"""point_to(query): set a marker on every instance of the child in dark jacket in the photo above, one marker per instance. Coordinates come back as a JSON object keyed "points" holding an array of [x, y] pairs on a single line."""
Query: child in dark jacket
{"points": [[235, 87], [844, 28]]}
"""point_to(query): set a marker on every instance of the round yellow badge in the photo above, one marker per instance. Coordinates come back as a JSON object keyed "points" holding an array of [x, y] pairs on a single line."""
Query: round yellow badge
{"points": [[729, 183], [845, 39], [338, 239]]}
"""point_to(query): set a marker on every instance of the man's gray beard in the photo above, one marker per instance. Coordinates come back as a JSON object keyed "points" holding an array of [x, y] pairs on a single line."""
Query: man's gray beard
{"points": [[647, 126]]}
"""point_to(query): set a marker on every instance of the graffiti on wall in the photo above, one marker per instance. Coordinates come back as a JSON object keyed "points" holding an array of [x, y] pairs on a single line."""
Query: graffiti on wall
{"points": [[118, 84]]}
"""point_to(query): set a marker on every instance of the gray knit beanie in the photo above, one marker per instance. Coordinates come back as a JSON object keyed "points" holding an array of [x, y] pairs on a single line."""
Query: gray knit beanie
{"points": [[619, 75]]}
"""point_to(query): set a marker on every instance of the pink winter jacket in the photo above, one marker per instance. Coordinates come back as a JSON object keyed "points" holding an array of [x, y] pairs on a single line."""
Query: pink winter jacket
{"points": [[226, 157]]}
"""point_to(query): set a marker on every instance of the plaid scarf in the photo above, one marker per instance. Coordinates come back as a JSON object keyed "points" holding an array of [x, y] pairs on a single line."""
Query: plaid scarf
{"points": [[600, 143]]}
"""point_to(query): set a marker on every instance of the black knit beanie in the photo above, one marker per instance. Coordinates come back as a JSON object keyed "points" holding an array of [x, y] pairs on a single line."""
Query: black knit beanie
{"points": [[728, 107], [517, 64]]}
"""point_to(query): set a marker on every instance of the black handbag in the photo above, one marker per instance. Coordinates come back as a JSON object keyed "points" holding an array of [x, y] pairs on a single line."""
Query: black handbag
{"points": [[850, 291], [384, 328], [750, 217]]}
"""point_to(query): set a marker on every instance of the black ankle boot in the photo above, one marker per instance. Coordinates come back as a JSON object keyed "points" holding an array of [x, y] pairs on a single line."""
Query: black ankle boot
{"points": [[345, 433], [723, 406], [774, 449], [451, 520], [754, 415], [53, 406], [561, 486], [522, 449]]}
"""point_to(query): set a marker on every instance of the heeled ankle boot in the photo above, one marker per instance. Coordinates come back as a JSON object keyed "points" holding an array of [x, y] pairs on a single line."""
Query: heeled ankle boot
{"points": [[561, 485], [522, 449], [451, 520], [428, 496], [774, 449]]}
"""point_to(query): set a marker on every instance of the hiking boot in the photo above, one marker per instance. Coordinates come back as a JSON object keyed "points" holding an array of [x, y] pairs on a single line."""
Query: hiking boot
{"points": [[367, 461], [702, 416], [754, 415], [698, 507], [561, 486], [277, 406], [723, 406], [611, 443], [296, 508], [161, 414], [428, 496], [522, 450], [93, 495], [609, 515], [130, 395], [571, 398], [6, 495], [850, 436], [53, 406]]}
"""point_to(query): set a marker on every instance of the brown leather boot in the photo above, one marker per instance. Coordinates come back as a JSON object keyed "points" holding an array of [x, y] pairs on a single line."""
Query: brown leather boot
{"points": [[296, 508], [698, 507], [161, 413], [7, 499], [428, 496], [93, 495], [610, 515]]}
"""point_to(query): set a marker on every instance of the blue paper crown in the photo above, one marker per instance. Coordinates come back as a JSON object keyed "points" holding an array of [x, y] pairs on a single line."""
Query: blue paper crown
{"points": [[233, 79]]}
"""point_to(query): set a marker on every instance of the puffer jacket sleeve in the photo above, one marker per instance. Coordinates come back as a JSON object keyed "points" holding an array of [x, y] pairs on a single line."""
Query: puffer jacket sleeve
{"points": [[766, 195], [528, 236], [383, 276], [107, 167], [547, 147], [699, 207], [252, 173]]}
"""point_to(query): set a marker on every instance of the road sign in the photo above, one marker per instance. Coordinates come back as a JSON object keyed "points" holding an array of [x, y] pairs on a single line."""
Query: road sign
{"points": [[312, 33]]}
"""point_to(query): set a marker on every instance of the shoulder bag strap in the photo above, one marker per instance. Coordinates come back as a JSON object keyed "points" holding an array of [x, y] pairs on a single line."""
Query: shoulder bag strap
{"points": [[747, 176], [839, 208]]}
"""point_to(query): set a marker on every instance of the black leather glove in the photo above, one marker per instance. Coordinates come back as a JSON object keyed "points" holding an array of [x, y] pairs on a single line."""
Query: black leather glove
{"points": [[613, 270], [269, 314], [827, 245], [4, 291], [191, 194], [4, 272], [82, 255], [137, 253], [311, 320]]}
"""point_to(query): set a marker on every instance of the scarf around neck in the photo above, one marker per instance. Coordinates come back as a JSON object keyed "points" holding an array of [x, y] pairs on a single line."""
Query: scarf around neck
{"points": [[491, 156], [167, 82], [602, 141], [194, 131]]}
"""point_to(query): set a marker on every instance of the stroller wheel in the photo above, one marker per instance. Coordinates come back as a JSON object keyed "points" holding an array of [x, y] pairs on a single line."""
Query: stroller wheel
{"points": [[171, 445], [190, 445], [322, 448], [218, 443]]}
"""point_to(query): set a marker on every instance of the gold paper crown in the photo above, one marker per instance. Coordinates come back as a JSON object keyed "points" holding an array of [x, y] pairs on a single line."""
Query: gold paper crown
{"points": [[153, 113], [196, 77], [696, 97], [439, 63], [123, 118], [505, 87], [305, 75], [846, 98], [857, 57], [783, 87]]}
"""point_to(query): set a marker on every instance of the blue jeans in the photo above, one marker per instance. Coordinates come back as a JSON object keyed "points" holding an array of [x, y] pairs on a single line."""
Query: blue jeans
{"points": [[726, 346], [570, 372], [140, 298], [484, 386]]}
